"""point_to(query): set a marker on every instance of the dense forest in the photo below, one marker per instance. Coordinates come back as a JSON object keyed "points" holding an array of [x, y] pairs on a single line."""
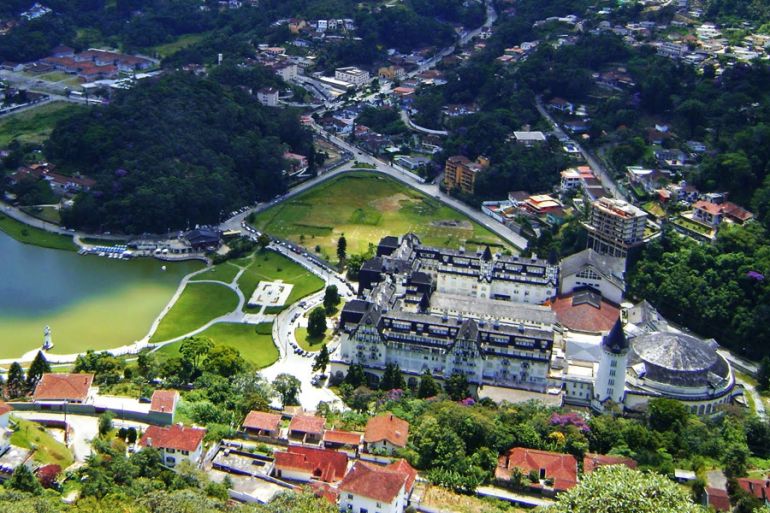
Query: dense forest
{"points": [[175, 152]]}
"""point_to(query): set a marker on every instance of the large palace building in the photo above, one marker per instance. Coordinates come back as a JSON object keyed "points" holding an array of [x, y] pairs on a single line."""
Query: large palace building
{"points": [[522, 328]]}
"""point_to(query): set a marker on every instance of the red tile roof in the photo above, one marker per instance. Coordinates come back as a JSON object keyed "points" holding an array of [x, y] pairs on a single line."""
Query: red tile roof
{"points": [[262, 421], [593, 461], [5, 408], [329, 493], [585, 316], [401, 466], [387, 427], [759, 488], [342, 437], [382, 484], [718, 498], [711, 208], [562, 468], [175, 437], [323, 464], [63, 387], [164, 401], [307, 424]]}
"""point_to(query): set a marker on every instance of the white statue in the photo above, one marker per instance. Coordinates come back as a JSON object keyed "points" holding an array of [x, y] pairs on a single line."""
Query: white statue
{"points": [[47, 343]]}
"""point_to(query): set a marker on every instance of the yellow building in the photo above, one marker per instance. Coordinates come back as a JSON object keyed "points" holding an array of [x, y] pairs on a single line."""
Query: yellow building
{"points": [[460, 173]]}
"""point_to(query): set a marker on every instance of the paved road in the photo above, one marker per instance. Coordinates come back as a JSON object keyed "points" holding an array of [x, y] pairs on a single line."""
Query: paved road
{"points": [[597, 167]]}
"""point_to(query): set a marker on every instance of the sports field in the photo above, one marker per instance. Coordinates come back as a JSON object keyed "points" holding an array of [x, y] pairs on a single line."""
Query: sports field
{"points": [[366, 207]]}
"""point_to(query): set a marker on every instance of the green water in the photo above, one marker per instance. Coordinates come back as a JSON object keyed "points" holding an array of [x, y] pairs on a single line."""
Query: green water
{"points": [[89, 302]]}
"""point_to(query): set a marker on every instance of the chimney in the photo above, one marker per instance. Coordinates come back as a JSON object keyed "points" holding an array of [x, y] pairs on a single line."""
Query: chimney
{"points": [[149, 442], [391, 416]]}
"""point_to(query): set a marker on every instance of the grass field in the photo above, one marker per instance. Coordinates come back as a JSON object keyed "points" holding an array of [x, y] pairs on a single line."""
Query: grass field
{"points": [[446, 500], [366, 207], [309, 343], [47, 213], [35, 236], [34, 125], [224, 272], [30, 434], [271, 266], [198, 304], [254, 343], [182, 42]]}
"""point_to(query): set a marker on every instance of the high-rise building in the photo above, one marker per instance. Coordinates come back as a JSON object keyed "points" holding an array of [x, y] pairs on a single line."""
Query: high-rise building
{"points": [[460, 173], [615, 226]]}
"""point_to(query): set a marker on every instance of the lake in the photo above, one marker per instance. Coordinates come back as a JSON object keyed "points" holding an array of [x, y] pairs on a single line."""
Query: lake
{"points": [[89, 302]]}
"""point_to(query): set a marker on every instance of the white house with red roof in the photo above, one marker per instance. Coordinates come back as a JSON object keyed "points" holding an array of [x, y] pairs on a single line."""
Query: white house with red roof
{"points": [[261, 424], [372, 488], [307, 429], [555, 472], [176, 443], [385, 433]]}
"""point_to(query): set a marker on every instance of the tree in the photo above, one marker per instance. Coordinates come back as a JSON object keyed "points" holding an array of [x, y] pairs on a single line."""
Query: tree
{"points": [[331, 298], [36, 370], [342, 248], [16, 385], [321, 360], [392, 378], [147, 365], [619, 489], [225, 361], [428, 386], [263, 241], [666, 414], [457, 386], [355, 376], [105, 422], [24, 480], [195, 350], [131, 435], [316, 323], [763, 374], [288, 387]]}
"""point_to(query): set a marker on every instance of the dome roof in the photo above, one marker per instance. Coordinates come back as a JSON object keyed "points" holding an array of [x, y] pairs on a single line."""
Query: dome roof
{"points": [[678, 359]]}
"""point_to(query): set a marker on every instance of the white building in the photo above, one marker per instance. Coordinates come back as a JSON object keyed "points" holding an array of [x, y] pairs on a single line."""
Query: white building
{"points": [[352, 75], [268, 96], [176, 443], [286, 70], [5, 432], [615, 226], [588, 268], [369, 488]]}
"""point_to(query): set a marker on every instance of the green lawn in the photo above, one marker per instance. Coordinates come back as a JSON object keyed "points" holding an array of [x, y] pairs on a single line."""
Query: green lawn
{"points": [[224, 272], [271, 266], [182, 42], [33, 435], [255, 343], [309, 343], [366, 207], [47, 213], [198, 304], [34, 125], [35, 236]]}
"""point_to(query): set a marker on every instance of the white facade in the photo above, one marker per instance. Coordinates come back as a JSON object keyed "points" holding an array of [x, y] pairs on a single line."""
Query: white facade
{"points": [[268, 97], [352, 75], [287, 71], [356, 503], [5, 432], [172, 457]]}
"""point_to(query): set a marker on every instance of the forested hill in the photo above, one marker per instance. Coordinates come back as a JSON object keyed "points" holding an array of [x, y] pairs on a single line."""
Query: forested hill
{"points": [[174, 152]]}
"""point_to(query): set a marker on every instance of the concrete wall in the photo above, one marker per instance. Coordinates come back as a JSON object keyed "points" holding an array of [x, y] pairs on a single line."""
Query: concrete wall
{"points": [[157, 418]]}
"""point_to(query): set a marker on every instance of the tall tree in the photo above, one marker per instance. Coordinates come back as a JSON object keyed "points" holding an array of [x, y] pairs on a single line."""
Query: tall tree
{"points": [[457, 386], [24, 480], [316, 323], [16, 384], [331, 298], [392, 378], [428, 386], [39, 367], [355, 376], [321, 360], [195, 350], [342, 248], [288, 387], [763, 374]]}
